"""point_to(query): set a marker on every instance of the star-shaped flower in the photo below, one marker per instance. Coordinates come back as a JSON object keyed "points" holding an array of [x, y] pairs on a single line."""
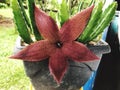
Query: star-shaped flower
{"points": [[58, 46]]}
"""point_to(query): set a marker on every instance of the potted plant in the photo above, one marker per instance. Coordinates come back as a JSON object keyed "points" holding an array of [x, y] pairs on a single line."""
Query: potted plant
{"points": [[61, 56]]}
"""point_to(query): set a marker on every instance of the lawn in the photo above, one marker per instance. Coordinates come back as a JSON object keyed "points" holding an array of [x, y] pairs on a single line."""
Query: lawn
{"points": [[12, 76], [6, 12]]}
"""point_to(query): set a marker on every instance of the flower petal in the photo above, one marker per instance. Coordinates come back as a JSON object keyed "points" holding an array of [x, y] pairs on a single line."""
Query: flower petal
{"points": [[75, 26], [35, 52], [46, 25], [78, 52], [58, 65]]}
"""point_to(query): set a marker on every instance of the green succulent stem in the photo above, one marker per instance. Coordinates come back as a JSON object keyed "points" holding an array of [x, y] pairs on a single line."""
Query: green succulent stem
{"points": [[80, 5], [92, 2], [64, 11], [104, 21], [25, 15], [97, 25], [31, 6], [20, 21], [97, 11]]}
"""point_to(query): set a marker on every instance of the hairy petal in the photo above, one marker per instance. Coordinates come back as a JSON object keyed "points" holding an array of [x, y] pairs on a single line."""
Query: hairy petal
{"points": [[78, 52], [58, 65], [72, 28], [35, 52], [46, 25]]}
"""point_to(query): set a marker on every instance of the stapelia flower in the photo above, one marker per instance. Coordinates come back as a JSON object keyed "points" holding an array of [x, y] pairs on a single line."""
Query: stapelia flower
{"points": [[58, 46]]}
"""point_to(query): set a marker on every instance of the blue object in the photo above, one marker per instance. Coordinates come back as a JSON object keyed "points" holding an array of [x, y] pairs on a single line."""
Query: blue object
{"points": [[114, 24], [104, 35], [89, 84]]}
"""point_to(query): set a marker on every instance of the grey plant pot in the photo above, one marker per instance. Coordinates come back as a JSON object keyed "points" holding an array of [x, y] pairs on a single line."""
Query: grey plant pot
{"points": [[75, 77]]}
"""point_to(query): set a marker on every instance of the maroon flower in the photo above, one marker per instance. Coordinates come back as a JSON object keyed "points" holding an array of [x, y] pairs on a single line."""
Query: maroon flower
{"points": [[58, 45]]}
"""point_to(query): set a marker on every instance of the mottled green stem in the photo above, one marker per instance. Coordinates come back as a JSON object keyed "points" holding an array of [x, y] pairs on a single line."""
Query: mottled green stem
{"points": [[20, 22], [31, 6], [25, 15], [104, 21], [92, 2], [80, 5], [92, 22], [63, 12]]}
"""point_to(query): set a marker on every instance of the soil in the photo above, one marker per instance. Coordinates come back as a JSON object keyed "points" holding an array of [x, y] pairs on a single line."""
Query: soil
{"points": [[7, 22]]}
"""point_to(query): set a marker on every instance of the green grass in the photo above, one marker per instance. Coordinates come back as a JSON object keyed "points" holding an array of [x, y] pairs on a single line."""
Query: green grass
{"points": [[6, 12], [12, 75]]}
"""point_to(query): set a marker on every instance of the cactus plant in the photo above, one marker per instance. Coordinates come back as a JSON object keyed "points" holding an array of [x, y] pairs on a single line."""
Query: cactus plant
{"points": [[98, 22], [63, 42]]}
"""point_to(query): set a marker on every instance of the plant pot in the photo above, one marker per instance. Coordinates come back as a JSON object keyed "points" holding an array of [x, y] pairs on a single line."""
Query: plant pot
{"points": [[75, 77]]}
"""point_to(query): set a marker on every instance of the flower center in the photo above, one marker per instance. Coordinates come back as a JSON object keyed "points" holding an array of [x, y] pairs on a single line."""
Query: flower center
{"points": [[59, 44]]}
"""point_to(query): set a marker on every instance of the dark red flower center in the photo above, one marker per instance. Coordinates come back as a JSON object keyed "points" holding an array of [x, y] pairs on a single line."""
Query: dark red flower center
{"points": [[59, 44]]}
